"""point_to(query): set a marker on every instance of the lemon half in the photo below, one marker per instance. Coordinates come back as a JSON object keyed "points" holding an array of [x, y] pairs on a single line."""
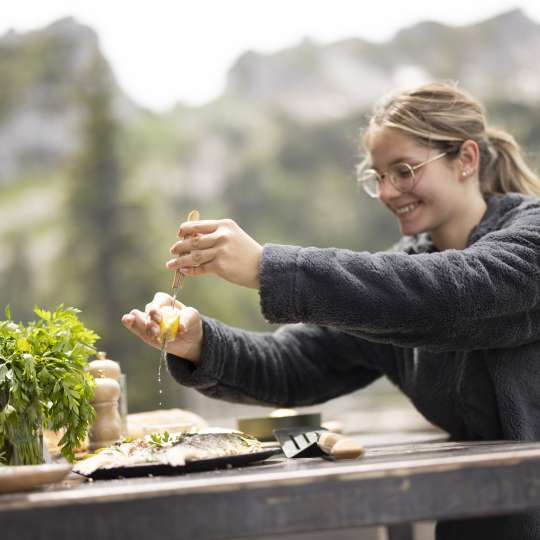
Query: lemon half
{"points": [[169, 324]]}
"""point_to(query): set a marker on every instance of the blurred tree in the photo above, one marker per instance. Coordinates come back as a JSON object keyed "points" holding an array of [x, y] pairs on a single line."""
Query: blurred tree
{"points": [[18, 285], [94, 207], [107, 265]]}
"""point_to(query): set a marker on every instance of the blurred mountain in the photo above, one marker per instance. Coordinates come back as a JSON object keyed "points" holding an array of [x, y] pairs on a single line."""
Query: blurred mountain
{"points": [[40, 74], [495, 58]]}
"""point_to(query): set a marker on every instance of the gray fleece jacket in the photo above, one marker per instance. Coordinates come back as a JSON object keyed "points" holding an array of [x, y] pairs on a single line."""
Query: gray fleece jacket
{"points": [[457, 331]]}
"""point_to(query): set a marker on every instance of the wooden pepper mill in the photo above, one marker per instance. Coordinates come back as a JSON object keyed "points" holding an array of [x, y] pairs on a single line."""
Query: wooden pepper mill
{"points": [[107, 426]]}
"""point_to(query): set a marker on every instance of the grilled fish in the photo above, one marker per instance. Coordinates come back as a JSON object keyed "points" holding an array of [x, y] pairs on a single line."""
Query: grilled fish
{"points": [[169, 449]]}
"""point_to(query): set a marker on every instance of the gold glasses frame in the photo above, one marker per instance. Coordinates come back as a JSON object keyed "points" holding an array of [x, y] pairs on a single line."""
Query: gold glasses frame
{"points": [[401, 175]]}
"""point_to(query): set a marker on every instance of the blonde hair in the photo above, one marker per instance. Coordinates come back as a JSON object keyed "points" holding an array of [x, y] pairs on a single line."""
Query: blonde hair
{"points": [[440, 116]]}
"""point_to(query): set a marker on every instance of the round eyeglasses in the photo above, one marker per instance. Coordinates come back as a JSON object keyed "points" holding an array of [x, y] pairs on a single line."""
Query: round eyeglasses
{"points": [[401, 175]]}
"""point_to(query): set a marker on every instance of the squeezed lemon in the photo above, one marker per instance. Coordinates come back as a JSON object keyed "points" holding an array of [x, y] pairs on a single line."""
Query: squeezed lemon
{"points": [[170, 322]]}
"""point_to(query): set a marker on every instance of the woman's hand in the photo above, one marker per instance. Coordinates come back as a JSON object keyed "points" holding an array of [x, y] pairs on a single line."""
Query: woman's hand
{"points": [[145, 325], [217, 247]]}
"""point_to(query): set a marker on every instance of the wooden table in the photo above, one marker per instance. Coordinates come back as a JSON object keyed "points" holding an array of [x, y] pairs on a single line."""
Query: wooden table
{"points": [[393, 484]]}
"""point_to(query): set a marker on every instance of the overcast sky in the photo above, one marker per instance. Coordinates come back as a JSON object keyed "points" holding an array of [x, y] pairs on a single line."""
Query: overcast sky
{"points": [[180, 50]]}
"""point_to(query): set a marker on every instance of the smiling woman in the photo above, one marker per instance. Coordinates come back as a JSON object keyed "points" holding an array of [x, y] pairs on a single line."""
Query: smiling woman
{"points": [[451, 315], [442, 163], [436, 192]]}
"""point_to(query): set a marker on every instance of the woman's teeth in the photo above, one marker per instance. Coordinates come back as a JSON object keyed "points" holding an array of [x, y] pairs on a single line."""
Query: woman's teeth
{"points": [[406, 209]]}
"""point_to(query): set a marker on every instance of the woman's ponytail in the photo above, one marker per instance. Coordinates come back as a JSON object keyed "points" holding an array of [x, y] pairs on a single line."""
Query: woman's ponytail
{"points": [[504, 170]]}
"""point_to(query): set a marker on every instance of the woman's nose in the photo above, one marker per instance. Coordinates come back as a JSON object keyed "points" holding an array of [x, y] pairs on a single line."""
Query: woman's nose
{"points": [[387, 190]]}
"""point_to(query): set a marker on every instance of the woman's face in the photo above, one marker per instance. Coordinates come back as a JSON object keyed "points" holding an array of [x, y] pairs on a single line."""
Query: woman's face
{"points": [[438, 194]]}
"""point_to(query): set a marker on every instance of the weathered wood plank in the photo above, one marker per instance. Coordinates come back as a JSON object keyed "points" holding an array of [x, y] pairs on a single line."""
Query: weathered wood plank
{"points": [[378, 462], [288, 497]]}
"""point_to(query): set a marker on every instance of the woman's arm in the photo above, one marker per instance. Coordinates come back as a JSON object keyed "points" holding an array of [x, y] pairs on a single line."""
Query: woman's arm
{"points": [[294, 366], [485, 296]]}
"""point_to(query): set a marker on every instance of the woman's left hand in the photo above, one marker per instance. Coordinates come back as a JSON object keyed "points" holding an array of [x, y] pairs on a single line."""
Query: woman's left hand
{"points": [[217, 247]]}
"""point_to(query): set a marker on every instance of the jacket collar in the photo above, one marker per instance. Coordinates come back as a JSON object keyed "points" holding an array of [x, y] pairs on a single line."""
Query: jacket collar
{"points": [[497, 207]]}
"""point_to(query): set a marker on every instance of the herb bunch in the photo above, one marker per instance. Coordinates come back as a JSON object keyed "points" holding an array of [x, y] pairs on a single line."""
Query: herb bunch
{"points": [[43, 382]]}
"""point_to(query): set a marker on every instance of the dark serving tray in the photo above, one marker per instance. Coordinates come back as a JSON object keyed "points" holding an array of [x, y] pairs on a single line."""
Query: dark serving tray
{"points": [[159, 469]]}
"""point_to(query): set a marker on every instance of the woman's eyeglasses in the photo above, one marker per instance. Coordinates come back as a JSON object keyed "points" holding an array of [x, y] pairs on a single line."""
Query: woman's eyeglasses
{"points": [[401, 175]]}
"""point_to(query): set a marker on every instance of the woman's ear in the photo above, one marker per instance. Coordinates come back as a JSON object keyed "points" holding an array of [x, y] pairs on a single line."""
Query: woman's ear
{"points": [[469, 158]]}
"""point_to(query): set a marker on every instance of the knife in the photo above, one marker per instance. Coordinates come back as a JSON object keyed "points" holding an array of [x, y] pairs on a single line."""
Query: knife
{"points": [[178, 278]]}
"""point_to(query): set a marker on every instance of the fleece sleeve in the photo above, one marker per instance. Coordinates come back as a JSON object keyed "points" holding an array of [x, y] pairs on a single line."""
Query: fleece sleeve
{"points": [[294, 366], [485, 296]]}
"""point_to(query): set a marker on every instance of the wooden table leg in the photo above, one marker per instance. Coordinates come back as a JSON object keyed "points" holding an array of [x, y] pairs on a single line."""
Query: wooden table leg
{"points": [[402, 531]]}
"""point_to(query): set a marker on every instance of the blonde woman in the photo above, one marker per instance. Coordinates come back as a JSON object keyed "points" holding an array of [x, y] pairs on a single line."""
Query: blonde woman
{"points": [[451, 316]]}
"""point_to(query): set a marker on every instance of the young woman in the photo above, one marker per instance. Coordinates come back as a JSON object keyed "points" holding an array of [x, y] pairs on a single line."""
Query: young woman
{"points": [[451, 316]]}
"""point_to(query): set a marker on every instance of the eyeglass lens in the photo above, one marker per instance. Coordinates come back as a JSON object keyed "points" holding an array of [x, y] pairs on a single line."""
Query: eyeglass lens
{"points": [[401, 176]]}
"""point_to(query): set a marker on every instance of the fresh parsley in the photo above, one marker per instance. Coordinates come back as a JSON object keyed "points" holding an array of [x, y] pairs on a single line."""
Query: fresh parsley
{"points": [[43, 383], [159, 440]]}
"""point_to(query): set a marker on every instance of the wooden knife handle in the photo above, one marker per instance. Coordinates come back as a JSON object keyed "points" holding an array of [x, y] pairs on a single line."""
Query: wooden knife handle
{"points": [[178, 277], [339, 446]]}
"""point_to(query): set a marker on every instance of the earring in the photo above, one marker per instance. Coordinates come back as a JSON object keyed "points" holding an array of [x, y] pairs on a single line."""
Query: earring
{"points": [[464, 173]]}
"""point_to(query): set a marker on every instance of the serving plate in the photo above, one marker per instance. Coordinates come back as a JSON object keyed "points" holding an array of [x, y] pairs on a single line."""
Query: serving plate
{"points": [[24, 477], [160, 469]]}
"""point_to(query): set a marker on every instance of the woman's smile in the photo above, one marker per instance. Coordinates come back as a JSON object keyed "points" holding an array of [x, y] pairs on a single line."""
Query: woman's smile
{"points": [[404, 211]]}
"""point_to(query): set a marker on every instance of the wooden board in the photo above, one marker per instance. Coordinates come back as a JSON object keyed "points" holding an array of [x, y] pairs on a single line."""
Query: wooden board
{"points": [[392, 484]]}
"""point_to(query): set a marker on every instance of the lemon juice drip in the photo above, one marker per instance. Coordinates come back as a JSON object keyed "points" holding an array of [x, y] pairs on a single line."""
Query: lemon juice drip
{"points": [[162, 360], [169, 325]]}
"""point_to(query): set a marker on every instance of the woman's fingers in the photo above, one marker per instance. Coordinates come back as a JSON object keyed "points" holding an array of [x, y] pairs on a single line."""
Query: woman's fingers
{"points": [[153, 313], [198, 241], [146, 324], [219, 247], [160, 299], [196, 251], [137, 322], [187, 343], [128, 319], [206, 226], [194, 259]]}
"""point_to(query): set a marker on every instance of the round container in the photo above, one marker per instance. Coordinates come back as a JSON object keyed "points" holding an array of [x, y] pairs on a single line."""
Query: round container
{"points": [[107, 428], [261, 426], [106, 390], [103, 367]]}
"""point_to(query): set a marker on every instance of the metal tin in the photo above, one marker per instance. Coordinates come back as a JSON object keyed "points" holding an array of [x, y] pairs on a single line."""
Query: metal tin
{"points": [[261, 426]]}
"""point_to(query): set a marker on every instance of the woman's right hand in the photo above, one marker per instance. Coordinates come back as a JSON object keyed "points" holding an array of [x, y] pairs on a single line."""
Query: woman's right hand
{"points": [[145, 324]]}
